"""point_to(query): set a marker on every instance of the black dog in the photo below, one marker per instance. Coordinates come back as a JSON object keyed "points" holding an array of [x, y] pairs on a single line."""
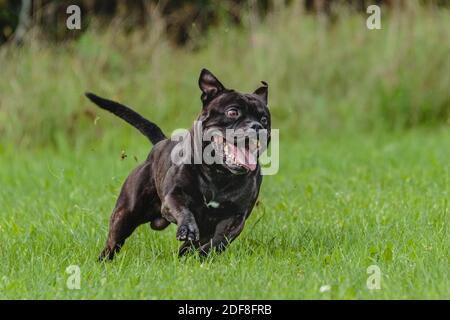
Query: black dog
{"points": [[208, 202]]}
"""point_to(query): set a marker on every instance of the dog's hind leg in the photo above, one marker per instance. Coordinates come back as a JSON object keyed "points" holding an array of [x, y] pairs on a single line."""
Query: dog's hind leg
{"points": [[122, 224], [137, 204]]}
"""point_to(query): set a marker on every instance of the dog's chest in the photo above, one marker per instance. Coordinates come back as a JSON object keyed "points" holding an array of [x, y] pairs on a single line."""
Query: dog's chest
{"points": [[225, 199], [215, 198], [211, 203]]}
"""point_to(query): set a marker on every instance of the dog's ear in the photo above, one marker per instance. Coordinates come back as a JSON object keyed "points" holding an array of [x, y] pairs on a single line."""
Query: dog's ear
{"points": [[263, 91], [209, 85]]}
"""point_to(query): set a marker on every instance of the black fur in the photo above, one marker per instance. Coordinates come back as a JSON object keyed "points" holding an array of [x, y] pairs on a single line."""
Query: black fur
{"points": [[146, 127], [208, 202]]}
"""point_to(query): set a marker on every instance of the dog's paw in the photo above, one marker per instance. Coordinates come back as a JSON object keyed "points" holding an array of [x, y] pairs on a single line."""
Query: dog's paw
{"points": [[188, 231], [106, 255]]}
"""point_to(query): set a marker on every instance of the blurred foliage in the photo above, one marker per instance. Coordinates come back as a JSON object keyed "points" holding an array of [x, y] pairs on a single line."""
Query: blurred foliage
{"points": [[9, 18], [323, 76], [182, 19]]}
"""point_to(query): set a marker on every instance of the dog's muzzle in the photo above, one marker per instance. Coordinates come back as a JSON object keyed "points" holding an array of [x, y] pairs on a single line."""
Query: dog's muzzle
{"points": [[239, 152]]}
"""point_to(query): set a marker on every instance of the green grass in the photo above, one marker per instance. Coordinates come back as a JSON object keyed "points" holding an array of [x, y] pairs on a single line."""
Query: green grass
{"points": [[337, 206], [364, 171]]}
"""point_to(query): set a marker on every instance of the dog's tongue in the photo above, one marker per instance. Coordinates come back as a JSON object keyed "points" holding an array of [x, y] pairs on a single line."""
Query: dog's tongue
{"points": [[244, 157]]}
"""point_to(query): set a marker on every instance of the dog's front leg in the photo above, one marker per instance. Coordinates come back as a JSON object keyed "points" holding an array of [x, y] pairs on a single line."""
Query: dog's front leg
{"points": [[175, 210], [226, 231]]}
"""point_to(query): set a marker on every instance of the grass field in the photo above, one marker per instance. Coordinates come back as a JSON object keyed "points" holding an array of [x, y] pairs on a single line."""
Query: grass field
{"points": [[336, 207], [364, 159]]}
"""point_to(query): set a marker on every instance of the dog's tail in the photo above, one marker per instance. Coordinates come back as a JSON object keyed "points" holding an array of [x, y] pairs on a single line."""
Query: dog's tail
{"points": [[146, 127]]}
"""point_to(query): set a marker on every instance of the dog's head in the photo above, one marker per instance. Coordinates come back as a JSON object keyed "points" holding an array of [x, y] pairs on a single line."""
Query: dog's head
{"points": [[237, 123]]}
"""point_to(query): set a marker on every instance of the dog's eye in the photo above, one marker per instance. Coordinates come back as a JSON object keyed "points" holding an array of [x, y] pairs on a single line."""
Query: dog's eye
{"points": [[264, 121], [232, 113]]}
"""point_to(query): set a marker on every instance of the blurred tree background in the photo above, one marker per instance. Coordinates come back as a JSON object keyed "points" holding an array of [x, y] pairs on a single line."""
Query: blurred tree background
{"points": [[181, 17], [327, 72]]}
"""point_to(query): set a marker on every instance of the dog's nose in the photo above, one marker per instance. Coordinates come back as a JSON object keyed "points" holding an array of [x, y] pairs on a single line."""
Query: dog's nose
{"points": [[255, 126]]}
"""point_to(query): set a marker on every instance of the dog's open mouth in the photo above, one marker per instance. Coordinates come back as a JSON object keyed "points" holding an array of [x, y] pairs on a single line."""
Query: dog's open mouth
{"points": [[239, 155]]}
